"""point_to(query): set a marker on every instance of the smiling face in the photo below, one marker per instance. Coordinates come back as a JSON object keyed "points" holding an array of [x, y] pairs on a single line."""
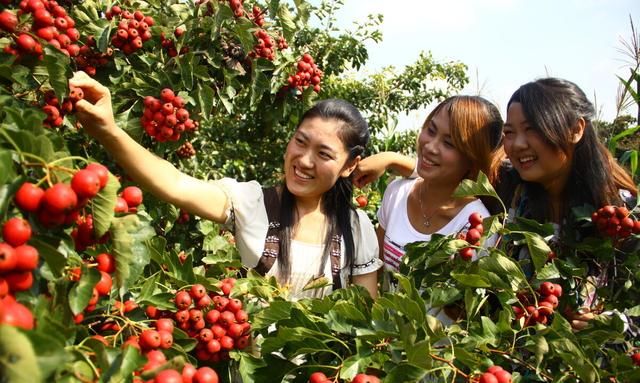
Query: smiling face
{"points": [[438, 159], [531, 155], [315, 158]]}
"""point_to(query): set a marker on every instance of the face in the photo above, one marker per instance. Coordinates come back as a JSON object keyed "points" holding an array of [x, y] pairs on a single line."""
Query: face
{"points": [[438, 160], [315, 158], [533, 158]]}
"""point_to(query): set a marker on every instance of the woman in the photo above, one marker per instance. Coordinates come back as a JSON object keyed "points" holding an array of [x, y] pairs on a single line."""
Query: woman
{"points": [[459, 138], [315, 221]]}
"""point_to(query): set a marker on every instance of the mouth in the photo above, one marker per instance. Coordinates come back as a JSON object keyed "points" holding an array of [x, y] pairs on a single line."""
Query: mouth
{"points": [[428, 162], [301, 175], [527, 161]]}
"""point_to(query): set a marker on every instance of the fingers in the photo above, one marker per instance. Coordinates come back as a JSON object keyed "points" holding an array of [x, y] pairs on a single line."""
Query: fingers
{"points": [[93, 90]]}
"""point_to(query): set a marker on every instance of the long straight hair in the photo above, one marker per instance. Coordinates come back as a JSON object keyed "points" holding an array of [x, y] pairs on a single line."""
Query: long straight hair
{"points": [[553, 106], [336, 204], [476, 132]]}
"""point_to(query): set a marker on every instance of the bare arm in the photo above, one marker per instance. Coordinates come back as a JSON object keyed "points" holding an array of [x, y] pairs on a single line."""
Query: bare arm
{"points": [[371, 168], [152, 173], [369, 281]]}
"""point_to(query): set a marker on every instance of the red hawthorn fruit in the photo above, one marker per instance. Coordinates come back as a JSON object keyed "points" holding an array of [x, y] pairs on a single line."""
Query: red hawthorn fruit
{"points": [[205, 375], [547, 288], [361, 200], [226, 342], [27, 258], [26, 43], [7, 257], [106, 263], [167, 95], [166, 339], [164, 324], [188, 371], [168, 376], [8, 21], [466, 253], [75, 94], [15, 314], [121, 206], [101, 171], [150, 339], [502, 376], [16, 231], [4, 287], [488, 377], [85, 183], [635, 357], [183, 300], [204, 302], [234, 305], [19, 280], [364, 378], [212, 316], [213, 346], [104, 285], [473, 236], [28, 197], [197, 291], [60, 198], [132, 195], [317, 377]]}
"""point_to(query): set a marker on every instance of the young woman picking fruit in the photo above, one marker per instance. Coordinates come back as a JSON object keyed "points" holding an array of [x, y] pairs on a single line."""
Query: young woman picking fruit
{"points": [[315, 198]]}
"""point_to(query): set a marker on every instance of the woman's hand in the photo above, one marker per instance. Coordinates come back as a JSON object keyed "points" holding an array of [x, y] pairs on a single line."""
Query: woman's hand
{"points": [[94, 112], [371, 168], [580, 319]]}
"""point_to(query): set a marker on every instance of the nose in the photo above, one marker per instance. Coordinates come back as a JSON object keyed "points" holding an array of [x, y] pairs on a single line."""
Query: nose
{"points": [[430, 146], [520, 141], [305, 159]]}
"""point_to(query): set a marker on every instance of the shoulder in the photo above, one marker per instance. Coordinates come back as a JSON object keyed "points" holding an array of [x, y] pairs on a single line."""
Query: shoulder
{"points": [[398, 188]]}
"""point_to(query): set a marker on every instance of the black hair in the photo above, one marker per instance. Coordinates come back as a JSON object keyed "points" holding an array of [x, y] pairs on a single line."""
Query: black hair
{"points": [[553, 106], [353, 131]]}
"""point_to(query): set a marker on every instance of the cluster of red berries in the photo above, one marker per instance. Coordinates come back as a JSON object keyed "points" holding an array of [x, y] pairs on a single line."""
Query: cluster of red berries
{"points": [[236, 7], [495, 374], [320, 377], [56, 111], [17, 259], [307, 75], [133, 29], [90, 59], [129, 200], [472, 236], [165, 119], [186, 150], [548, 301], [60, 203], [217, 321], [282, 43], [170, 46], [50, 23], [264, 46], [257, 15], [189, 375], [615, 222]]}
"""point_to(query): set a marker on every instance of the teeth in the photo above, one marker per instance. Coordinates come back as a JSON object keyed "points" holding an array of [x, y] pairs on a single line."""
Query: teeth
{"points": [[428, 162], [302, 175], [526, 159]]}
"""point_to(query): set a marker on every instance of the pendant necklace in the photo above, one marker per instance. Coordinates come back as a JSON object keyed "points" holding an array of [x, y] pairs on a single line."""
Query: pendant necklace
{"points": [[426, 221]]}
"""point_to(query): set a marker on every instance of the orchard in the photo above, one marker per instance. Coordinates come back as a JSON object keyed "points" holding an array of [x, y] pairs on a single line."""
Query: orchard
{"points": [[101, 282]]}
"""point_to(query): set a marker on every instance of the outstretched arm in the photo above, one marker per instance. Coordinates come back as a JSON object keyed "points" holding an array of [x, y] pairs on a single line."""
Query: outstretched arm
{"points": [[371, 168], [152, 173]]}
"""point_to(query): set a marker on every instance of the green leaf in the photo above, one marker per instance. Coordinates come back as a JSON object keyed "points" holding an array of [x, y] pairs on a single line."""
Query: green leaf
{"points": [[58, 69], [52, 257], [17, 359], [129, 121], [128, 235], [471, 280], [185, 63], [277, 310], [7, 171], [538, 249], [285, 19], [481, 186], [124, 365], [81, 292], [405, 372], [102, 206], [102, 41], [549, 271], [205, 99]]}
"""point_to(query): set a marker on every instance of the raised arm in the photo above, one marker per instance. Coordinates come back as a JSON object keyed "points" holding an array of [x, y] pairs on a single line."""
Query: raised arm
{"points": [[371, 168], [152, 173]]}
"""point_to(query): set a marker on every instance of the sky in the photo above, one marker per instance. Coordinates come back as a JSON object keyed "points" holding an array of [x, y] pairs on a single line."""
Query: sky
{"points": [[506, 43]]}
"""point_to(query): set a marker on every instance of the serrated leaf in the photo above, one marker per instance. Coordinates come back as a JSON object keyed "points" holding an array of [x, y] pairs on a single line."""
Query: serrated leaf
{"points": [[128, 235], [405, 372], [55, 260], [185, 63], [538, 249], [102, 42], [124, 365], [285, 19], [17, 359], [276, 311], [205, 100], [7, 171], [81, 292], [316, 283], [130, 123], [549, 271], [58, 69], [102, 206], [471, 280]]}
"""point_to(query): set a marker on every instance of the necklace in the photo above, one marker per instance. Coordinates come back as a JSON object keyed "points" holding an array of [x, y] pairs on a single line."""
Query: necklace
{"points": [[426, 220]]}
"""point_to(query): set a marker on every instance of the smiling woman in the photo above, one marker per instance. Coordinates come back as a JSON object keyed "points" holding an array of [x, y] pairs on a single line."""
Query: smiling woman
{"points": [[301, 231]]}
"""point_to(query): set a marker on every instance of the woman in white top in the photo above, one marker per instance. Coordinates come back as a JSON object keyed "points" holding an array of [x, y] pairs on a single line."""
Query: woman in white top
{"points": [[459, 138], [315, 199]]}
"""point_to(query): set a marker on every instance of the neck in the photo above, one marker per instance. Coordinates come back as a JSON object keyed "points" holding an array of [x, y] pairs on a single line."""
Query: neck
{"points": [[437, 194], [306, 206]]}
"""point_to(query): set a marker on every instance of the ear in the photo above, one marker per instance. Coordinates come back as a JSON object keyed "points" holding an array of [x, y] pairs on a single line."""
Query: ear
{"points": [[577, 130], [350, 167]]}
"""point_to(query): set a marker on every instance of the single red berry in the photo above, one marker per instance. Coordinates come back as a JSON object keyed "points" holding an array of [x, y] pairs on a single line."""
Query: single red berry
{"points": [[8, 21], [106, 262], [85, 183], [205, 375], [27, 258], [8, 259], [60, 198], [132, 195], [28, 197], [16, 231], [101, 171]]}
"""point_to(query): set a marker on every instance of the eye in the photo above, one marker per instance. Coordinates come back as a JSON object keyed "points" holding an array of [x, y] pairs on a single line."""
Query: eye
{"points": [[299, 140], [449, 144], [325, 155]]}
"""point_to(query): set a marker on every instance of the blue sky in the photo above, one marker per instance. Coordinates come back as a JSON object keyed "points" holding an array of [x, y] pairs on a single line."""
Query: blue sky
{"points": [[506, 43]]}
